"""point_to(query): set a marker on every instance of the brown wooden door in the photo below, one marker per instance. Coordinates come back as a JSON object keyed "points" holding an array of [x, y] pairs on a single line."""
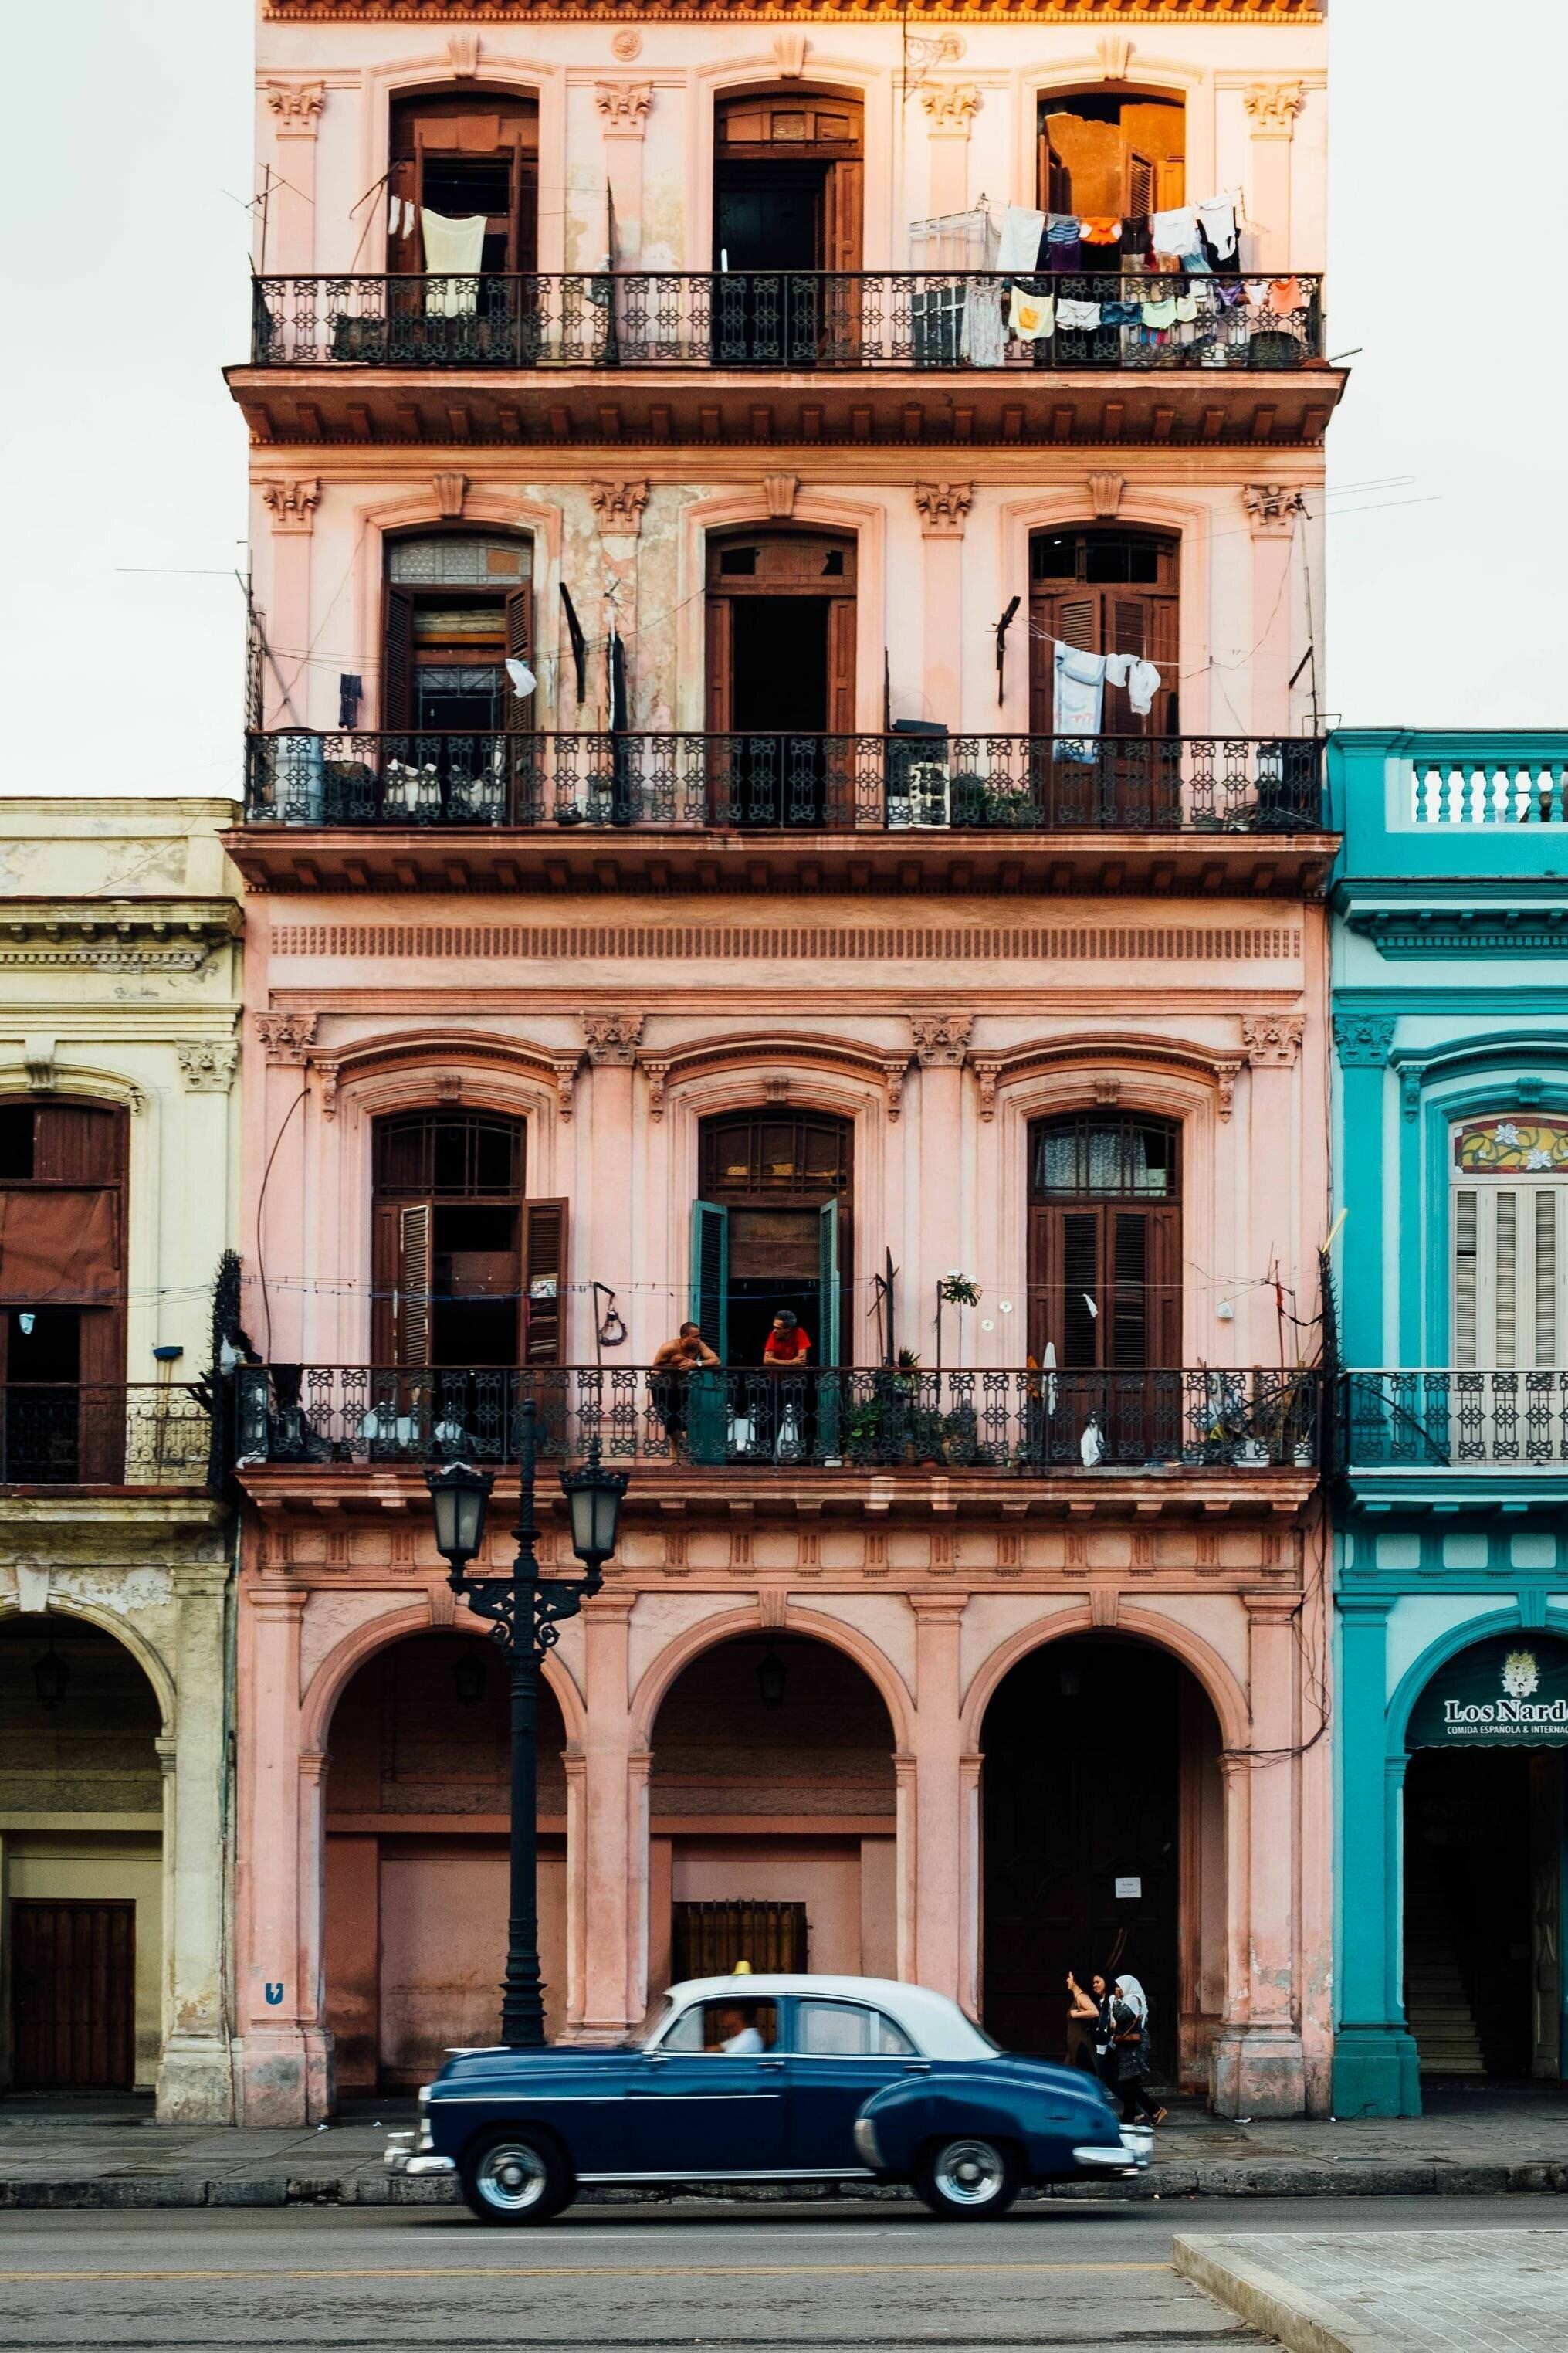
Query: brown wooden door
{"points": [[1117, 616], [1105, 1285], [460, 156], [73, 1995]]}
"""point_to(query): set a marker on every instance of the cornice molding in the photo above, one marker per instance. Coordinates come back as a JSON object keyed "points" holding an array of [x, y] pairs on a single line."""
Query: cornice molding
{"points": [[115, 934], [1078, 13]]}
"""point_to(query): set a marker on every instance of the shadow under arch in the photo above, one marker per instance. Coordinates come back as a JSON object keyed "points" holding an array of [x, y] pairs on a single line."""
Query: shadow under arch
{"points": [[128, 1636], [335, 1673], [663, 1671], [1218, 1684]]}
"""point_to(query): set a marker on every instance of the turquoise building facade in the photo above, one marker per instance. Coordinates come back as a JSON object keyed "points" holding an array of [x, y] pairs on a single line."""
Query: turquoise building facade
{"points": [[1450, 1496]]}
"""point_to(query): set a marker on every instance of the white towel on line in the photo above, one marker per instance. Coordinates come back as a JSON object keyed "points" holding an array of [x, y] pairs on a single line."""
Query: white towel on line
{"points": [[1078, 697], [1022, 230], [453, 248]]}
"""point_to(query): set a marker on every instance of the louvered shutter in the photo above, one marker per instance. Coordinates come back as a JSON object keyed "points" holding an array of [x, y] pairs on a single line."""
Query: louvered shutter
{"points": [[842, 216], [1466, 1266], [827, 1335], [1075, 620], [1079, 1311], [1544, 1351], [841, 666], [397, 662], [1164, 1328], [708, 1302], [1505, 1266], [412, 1317], [385, 1267], [519, 646], [720, 661], [544, 1281], [1127, 1338]]}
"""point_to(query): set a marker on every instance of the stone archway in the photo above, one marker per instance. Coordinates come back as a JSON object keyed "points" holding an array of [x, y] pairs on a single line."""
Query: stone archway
{"points": [[81, 1921], [416, 1841], [772, 1803], [1103, 1844]]}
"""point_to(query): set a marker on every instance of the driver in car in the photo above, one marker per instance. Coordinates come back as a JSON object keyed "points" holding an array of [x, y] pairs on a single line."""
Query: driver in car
{"points": [[737, 2031]]}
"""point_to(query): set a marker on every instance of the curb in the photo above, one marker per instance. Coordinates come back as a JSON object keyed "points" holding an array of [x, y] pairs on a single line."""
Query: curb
{"points": [[1345, 2179], [1302, 2322]]}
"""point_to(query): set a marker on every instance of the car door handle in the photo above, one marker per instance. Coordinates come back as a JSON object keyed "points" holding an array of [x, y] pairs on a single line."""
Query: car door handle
{"points": [[916, 2066], [772, 2064]]}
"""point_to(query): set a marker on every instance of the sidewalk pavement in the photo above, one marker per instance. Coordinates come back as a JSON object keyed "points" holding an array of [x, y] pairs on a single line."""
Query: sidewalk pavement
{"points": [[1389, 2292], [107, 2153]]}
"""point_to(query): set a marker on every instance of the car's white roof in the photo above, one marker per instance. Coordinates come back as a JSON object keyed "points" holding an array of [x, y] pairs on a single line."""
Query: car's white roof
{"points": [[936, 2026]]}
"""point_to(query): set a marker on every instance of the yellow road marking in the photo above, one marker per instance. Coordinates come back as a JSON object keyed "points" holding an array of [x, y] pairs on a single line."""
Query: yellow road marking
{"points": [[579, 2271]]}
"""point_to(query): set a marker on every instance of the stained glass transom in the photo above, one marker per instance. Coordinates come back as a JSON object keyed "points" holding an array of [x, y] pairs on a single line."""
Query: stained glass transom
{"points": [[1511, 1147]]}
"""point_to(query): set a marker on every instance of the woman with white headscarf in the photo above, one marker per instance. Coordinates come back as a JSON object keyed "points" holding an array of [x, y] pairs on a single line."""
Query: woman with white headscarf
{"points": [[1130, 2017]]}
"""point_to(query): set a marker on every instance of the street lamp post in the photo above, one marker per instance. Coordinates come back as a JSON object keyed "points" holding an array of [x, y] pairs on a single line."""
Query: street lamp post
{"points": [[526, 1611]]}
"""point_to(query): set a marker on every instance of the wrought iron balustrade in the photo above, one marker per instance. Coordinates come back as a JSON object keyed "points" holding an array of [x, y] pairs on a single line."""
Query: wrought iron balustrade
{"points": [[1004, 783], [792, 320], [132, 1434], [1002, 1422], [1453, 1418]]}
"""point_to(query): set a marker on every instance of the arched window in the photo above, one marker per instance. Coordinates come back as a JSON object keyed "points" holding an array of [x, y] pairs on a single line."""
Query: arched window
{"points": [[771, 1231], [458, 606], [1105, 1240], [788, 173], [62, 1290], [1510, 1242], [461, 156], [1109, 156], [467, 1271]]}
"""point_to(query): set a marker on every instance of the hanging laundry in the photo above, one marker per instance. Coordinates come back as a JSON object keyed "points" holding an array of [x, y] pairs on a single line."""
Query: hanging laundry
{"points": [[1030, 316], [1076, 314], [1160, 315], [1186, 309], [1120, 315], [1099, 228], [1228, 292], [1142, 686], [522, 678], [453, 250], [982, 337], [1064, 246], [579, 643], [1216, 217], [395, 216], [1022, 233], [1197, 264], [1175, 231], [1077, 697], [1257, 291], [1286, 294]]}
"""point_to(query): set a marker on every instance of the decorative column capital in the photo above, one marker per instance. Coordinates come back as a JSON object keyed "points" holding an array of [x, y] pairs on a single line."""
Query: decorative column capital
{"points": [[1272, 508], [207, 1065], [1272, 1040], [941, 1040], [287, 1037], [1363, 1039], [619, 507], [623, 107], [1412, 1078], [987, 1070], [292, 503], [611, 1039], [896, 1070], [1227, 1073], [950, 107], [657, 1074], [943, 508], [297, 106], [1273, 107]]}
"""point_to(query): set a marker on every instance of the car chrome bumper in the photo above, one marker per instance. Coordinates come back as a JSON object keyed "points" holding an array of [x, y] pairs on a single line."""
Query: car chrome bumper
{"points": [[404, 2155], [865, 2138], [1131, 2156]]}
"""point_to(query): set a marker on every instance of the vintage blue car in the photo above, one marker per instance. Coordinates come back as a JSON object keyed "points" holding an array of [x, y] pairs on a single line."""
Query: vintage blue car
{"points": [[774, 2079]]}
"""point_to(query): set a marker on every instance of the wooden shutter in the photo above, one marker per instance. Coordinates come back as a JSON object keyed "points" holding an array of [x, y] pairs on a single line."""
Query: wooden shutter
{"points": [[1164, 1324], [385, 1268], [720, 665], [708, 1302], [79, 1144], [397, 662], [841, 666], [412, 1320], [544, 1282], [1074, 617], [828, 1302], [525, 233], [1053, 179], [519, 645], [405, 248], [842, 216]]}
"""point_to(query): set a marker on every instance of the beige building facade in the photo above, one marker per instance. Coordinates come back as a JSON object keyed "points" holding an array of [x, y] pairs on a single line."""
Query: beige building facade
{"points": [[120, 973]]}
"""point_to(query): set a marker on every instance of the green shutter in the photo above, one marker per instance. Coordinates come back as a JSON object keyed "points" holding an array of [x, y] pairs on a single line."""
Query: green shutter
{"points": [[710, 1297], [827, 1283]]}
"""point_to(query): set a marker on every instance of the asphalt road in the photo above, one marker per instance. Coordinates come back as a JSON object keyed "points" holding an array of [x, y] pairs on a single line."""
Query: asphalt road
{"points": [[634, 2280]]}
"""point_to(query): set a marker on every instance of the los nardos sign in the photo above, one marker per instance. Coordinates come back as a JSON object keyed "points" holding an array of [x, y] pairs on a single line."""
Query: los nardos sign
{"points": [[1510, 1691]]}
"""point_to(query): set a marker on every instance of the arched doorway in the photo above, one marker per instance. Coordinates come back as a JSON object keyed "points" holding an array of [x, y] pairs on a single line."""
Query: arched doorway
{"points": [[771, 1230], [81, 1924], [772, 1809], [1484, 1884], [1112, 156], [788, 189], [417, 1815], [780, 676], [1103, 1845]]}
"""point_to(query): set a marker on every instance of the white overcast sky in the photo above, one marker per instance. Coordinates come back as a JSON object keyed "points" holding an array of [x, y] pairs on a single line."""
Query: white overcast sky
{"points": [[123, 176]]}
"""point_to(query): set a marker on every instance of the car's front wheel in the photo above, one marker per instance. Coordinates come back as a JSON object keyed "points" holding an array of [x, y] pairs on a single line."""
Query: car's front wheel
{"points": [[968, 2180], [516, 2176]]}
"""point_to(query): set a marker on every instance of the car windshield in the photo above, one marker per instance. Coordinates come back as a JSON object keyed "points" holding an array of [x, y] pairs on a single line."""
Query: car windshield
{"points": [[655, 2021]]}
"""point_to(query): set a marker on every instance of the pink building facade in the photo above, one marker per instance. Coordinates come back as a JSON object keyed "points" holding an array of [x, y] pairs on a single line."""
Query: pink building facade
{"points": [[770, 938]]}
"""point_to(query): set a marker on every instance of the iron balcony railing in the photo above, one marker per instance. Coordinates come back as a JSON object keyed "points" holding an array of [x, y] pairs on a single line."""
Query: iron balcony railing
{"points": [[805, 319], [1074, 1423], [1143, 784], [132, 1434], [1452, 1419]]}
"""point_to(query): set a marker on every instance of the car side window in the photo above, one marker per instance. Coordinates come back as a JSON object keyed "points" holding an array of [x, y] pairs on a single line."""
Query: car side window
{"points": [[847, 2029], [737, 2028]]}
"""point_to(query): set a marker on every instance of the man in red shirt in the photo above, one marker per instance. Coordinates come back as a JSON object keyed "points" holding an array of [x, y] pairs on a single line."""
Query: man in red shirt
{"points": [[788, 1341]]}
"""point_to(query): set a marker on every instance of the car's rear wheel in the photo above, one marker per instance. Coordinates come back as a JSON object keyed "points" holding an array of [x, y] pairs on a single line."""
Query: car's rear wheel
{"points": [[968, 2179], [516, 2176]]}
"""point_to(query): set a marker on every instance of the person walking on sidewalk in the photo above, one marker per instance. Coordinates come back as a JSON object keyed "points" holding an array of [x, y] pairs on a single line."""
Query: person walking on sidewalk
{"points": [[1083, 2026], [1130, 2019]]}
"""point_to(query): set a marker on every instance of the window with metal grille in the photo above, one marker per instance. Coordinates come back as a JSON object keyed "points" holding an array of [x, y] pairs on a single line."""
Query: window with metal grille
{"points": [[1089, 1157]]}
